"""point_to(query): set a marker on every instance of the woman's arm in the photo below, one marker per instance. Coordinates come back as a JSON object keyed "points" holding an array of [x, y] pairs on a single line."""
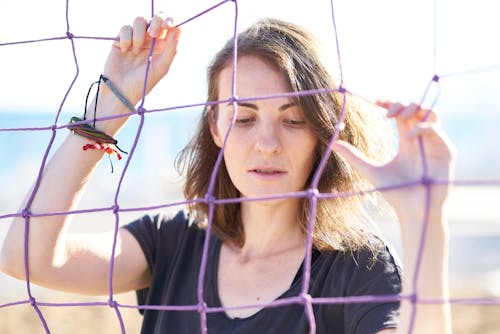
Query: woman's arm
{"points": [[80, 263], [419, 208]]}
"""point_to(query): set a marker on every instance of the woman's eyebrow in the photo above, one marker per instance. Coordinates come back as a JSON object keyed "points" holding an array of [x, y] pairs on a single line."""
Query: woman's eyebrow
{"points": [[248, 105], [286, 106], [255, 107]]}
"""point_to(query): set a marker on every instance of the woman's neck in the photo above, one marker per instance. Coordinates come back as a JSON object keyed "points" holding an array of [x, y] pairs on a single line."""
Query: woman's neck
{"points": [[270, 228]]}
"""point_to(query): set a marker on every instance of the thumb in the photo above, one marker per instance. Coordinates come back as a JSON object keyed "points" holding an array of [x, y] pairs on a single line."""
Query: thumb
{"points": [[359, 161]]}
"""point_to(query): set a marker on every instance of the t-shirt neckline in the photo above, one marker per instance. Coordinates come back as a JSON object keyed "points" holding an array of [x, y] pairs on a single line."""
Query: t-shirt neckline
{"points": [[290, 292]]}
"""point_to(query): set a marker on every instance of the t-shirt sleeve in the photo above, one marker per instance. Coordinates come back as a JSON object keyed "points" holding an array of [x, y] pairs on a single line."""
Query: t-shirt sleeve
{"points": [[380, 276], [158, 233], [145, 231]]}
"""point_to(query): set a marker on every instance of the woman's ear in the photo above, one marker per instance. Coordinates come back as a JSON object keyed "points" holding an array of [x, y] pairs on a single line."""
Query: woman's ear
{"points": [[212, 121]]}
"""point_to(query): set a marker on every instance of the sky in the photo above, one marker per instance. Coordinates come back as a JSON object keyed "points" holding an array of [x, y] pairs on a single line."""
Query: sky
{"points": [[388, 49]]}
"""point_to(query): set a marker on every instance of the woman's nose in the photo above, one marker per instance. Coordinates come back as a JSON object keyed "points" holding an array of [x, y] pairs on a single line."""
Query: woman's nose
{"points": [[267, 141]]}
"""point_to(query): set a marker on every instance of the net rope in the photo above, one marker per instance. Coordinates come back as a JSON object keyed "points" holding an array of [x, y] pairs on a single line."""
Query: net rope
{"points": [[312, 194]]}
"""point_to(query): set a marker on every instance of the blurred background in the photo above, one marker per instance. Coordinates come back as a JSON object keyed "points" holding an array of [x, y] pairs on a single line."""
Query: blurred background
{"points": [[389, 49]]}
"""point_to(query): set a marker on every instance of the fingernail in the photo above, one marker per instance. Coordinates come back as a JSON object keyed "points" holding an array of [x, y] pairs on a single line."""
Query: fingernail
{"points": [[168, 22], [153, 32]]}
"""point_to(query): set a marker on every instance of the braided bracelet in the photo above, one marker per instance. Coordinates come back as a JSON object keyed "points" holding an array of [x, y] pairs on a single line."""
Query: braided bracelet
{"points": [[101, 140]]}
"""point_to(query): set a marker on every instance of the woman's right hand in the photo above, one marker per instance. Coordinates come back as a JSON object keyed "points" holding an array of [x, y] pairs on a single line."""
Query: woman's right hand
{"points": [[127, 61]]}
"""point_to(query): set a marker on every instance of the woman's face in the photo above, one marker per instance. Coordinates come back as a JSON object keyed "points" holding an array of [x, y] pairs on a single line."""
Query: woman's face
{"points": [[270, 149]]}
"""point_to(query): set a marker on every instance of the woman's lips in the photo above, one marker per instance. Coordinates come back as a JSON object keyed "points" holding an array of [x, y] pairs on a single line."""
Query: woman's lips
{"points": [[266, 172]]}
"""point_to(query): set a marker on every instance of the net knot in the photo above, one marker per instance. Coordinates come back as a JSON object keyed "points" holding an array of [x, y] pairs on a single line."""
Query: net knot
{"points": [[115, 208], [32, 301], [426, 181], [312, 192], [340, 126], [69, 35], [25, 213], [233, 99], [112, 303], [341, 89], [413, 298], [435, 78], [202, 307], [306, 298], [209, 198], [141, 111]]}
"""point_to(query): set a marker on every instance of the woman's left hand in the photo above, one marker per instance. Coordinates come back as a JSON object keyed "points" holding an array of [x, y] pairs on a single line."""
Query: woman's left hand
{"points": [[425, 154]]}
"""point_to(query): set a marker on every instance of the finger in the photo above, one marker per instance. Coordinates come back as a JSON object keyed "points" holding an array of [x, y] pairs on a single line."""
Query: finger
{"points": [[435, 133], [421, 129], [168, 23], [170, 50], [428, 129], [138, 35], [407, 111], [382, 104], [429, 115], [415, 112], [394, 109], [124, 39], [387, 104], [155, 26], [412, 111], [158, 25]]}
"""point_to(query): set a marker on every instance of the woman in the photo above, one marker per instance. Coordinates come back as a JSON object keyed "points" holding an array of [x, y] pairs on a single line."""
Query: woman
{"points": [[257, 248]]}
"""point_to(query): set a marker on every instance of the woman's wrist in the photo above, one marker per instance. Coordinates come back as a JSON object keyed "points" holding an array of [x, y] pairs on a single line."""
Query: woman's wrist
{"points": [[108, 105]]}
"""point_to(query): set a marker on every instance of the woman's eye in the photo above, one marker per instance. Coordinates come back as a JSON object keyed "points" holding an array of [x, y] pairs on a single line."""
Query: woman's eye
{"points": [[294, 122], [244, 120]]}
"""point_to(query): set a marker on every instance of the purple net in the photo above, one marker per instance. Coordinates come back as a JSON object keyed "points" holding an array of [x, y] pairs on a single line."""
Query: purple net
{"points": [[312, 194]]}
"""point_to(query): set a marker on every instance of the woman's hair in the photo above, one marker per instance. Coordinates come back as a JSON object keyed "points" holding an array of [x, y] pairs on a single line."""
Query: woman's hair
{"points": [[294, 52]]}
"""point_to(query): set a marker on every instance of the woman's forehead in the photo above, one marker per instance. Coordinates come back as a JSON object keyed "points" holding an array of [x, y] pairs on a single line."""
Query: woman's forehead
{"points": [[252, 77]]}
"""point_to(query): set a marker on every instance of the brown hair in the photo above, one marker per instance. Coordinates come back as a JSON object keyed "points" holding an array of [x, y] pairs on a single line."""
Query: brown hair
{"points": [[292, 50]]}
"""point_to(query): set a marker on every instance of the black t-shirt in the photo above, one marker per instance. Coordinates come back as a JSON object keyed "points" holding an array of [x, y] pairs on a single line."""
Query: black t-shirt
{"points": [[173, 249]]}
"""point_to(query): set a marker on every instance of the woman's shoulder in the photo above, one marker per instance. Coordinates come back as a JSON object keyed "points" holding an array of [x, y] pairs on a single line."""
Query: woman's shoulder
{"points": [[170, 226], [377, 258], [165, 233], [164, 220], [367, 271]]}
